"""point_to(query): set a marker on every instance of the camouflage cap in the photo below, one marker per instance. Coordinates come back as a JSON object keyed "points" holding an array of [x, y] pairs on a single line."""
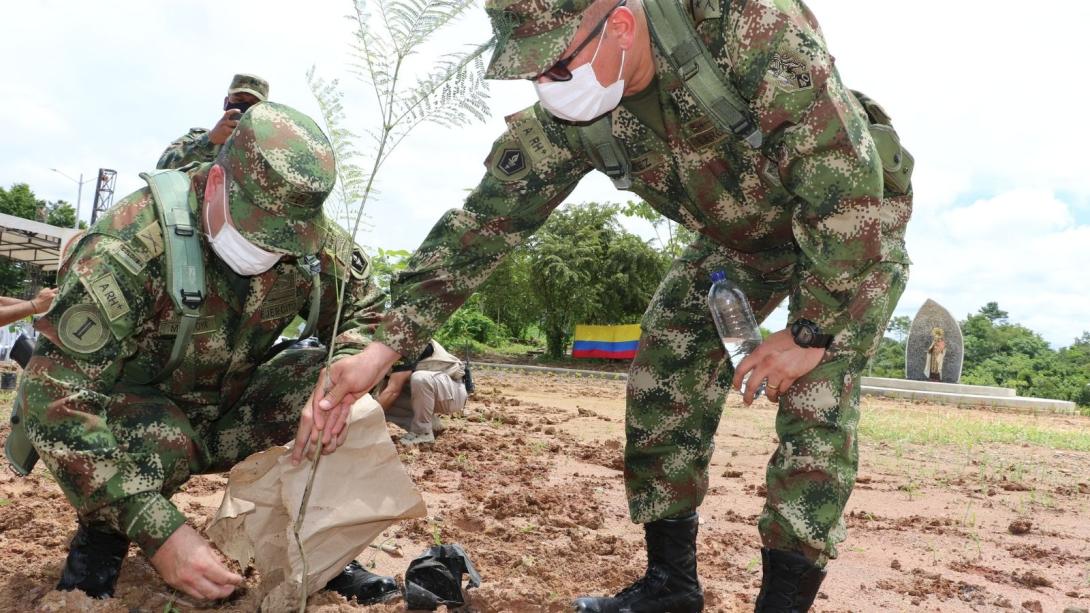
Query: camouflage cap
{"points": [[531, 35], [280, 168], [249, 84]]}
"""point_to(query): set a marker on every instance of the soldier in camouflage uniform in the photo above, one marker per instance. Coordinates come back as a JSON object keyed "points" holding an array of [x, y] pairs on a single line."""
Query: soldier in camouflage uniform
{"points": [[806, 216], [201, 145], [119, 442]]}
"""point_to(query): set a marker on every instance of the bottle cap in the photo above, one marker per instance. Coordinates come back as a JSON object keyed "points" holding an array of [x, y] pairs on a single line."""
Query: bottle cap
{"points": [[718, 276]]}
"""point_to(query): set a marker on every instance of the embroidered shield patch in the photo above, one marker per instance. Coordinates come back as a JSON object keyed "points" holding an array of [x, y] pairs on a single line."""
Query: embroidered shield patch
{"points": [[510, 163], [83, 329], [791, 73]]}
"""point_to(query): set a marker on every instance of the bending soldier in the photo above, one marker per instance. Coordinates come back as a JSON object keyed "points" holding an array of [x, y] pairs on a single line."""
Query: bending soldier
{"points": [[730, 118], [155, 362]]}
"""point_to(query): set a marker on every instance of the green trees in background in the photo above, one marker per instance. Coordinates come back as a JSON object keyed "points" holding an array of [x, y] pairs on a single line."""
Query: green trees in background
{"points": [[61, 214], [582, 266], [20, 202], [998, 352], [586, 268]]}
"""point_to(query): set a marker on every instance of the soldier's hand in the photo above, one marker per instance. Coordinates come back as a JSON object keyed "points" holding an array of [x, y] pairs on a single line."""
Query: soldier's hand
{"points": [[187, 562], [338, 388], [306, 435], [224, 127], [779, 360]]}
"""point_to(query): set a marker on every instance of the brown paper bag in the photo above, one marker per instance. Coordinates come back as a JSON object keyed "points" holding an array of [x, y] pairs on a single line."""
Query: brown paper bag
{"points": [[358, 492]]}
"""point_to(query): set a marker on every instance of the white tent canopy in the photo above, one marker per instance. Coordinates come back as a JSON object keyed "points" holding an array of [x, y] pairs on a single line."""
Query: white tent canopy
{"points": [[33, 241]]}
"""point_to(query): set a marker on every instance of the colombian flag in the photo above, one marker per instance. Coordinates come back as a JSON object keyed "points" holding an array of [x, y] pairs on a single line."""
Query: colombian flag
{"points": [[609, 342]]}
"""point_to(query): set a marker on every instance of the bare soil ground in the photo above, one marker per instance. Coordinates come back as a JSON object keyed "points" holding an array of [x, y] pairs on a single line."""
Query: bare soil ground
{"points": [[529, 483]]}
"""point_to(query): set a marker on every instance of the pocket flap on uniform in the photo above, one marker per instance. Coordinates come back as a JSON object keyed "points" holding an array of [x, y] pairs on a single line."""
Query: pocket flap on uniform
{"points": [[897, 163]]}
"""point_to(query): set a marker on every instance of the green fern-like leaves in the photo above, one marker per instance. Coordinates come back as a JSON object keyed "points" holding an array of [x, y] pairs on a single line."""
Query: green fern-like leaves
{"points": [[388, 32], [453, 94], [351, 178]]}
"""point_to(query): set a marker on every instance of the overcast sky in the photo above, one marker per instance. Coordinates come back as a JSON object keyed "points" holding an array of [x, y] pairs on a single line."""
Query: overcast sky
{"points": [[990, 97]]}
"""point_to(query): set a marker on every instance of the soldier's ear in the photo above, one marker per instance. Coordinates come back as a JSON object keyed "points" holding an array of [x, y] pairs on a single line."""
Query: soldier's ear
{"points": [[622, 24], [215, 188], [225, 102]]}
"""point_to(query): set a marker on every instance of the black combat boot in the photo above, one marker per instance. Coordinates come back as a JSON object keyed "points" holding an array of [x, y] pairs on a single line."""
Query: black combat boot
{"points": [[670, 584], [94, 561], [366, 587], [790, 582]]}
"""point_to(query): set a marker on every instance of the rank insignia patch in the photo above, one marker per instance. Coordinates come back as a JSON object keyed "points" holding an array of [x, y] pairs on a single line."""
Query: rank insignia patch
{"points": [[359, 263], [510, 163]]}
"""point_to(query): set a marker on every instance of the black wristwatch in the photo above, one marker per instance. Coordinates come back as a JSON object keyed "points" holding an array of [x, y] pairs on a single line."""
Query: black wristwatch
{"points": [[808, 334]]}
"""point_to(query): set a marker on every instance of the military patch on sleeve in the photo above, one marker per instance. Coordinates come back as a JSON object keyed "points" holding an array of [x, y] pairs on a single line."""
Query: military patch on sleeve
{"points": [[152, 239], [509, 162], [536, 144], [706, 9], [790, 73], [341, 251], [82, 329], [107, 293], [359, 263], [129, 258]]}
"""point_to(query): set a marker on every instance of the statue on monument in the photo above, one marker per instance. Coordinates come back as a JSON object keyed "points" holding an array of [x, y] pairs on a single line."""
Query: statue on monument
{"points": [[936, 352], [935, 348]]}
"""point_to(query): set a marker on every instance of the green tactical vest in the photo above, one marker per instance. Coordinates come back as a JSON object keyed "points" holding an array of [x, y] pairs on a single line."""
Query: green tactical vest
{"points": [[713, 91], [185, 285]]}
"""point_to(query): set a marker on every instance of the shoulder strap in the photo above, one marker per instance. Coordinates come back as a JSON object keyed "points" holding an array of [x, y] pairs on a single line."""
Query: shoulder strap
{"points": [[713, 91], [313, 264], [184, 262], [607, 154], [716, 95]]}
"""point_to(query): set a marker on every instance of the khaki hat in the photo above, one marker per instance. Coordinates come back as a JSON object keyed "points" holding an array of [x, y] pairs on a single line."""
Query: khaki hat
{"points": [[280, 168], [531, 35], [249, 84]]}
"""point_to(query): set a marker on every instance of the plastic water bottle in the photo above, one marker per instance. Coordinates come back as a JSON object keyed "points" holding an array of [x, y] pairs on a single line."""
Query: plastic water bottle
{"points": [[735, 322]]}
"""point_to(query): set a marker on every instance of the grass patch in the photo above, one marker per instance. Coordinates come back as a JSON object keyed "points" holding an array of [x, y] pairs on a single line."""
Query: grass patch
{"points": [[966, 428], [6, 398], [510, 348]]}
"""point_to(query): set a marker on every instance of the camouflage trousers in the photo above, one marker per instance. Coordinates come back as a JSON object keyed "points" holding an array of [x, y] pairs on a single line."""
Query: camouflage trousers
{"points": [[172, 443], [678, 383]]}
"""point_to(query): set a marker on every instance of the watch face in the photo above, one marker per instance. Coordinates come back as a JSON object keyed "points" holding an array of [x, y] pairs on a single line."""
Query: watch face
{"points": [[805, 335]]}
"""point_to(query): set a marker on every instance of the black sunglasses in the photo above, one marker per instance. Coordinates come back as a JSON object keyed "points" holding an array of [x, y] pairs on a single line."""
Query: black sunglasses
{"points": [[559, 71]]}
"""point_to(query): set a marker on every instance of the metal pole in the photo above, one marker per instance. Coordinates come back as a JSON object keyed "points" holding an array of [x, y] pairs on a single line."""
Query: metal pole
{"points": [[79, 199], [79, 194]]}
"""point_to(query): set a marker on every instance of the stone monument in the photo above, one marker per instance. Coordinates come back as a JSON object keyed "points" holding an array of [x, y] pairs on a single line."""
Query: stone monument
{"points": [[935, 348]]}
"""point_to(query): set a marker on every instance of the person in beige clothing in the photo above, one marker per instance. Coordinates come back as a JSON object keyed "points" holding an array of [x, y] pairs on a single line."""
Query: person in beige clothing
{"points": [[417, 393]]}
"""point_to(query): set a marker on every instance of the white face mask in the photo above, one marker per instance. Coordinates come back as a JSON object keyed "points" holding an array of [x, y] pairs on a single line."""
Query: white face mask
{"points": [[244, 257], [582, 98]]}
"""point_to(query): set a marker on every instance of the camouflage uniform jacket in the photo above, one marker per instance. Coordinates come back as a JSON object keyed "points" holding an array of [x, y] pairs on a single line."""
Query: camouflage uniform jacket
{"points": [[811, 198], [193, 147], [112, 327]]}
